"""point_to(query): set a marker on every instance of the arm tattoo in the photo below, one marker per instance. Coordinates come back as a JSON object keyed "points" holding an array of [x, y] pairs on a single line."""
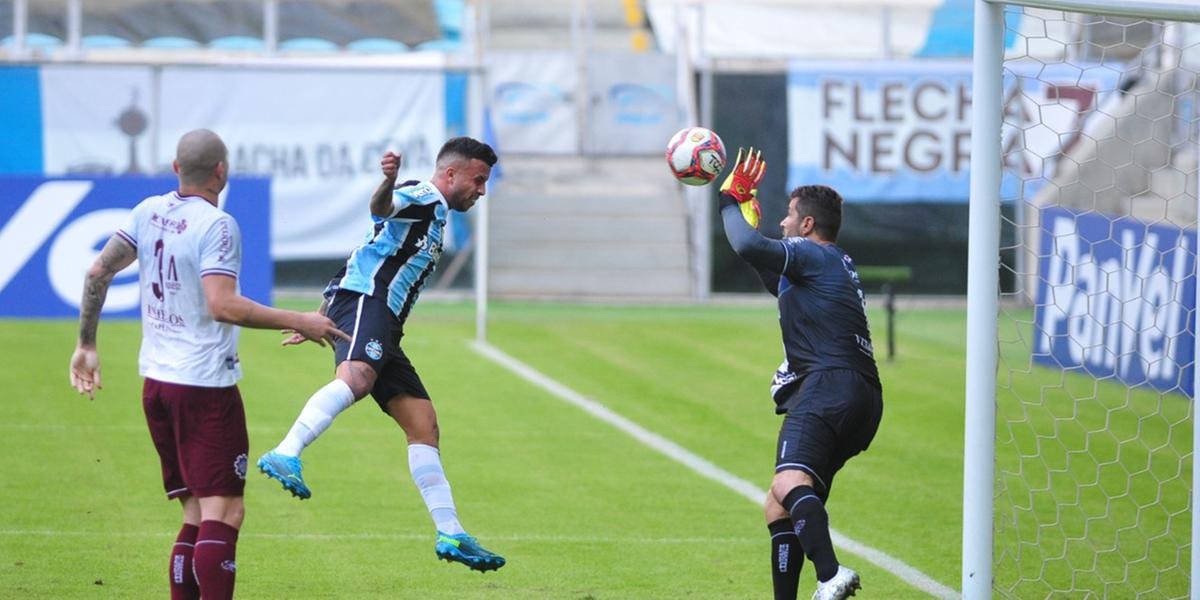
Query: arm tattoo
{"points": [[117, 255]]}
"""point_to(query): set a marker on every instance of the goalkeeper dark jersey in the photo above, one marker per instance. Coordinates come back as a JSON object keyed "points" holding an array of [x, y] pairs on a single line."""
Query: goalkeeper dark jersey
{"points": [[822, 310], [821, 314]]}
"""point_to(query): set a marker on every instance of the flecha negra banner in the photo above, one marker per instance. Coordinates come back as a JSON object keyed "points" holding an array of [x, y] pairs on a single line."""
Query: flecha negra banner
{"points": [[900, 131], [1116, 298]]}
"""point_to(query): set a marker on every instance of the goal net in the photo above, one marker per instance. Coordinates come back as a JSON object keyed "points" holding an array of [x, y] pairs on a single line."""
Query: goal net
{"points": [[1093, 413]]}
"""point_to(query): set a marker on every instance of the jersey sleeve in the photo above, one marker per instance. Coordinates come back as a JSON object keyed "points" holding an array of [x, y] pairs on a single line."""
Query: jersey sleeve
{"points": [[803, 258], [129, 230], [221, 248], [412, 201]]}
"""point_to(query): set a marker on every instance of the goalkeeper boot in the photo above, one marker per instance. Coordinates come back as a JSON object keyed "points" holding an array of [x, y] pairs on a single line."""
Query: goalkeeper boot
{"points": [[463, 548], [839, 587], [286, 470]]}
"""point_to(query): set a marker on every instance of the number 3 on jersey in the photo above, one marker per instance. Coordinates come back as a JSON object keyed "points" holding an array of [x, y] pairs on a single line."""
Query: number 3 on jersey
{"points": [[158, 286]]}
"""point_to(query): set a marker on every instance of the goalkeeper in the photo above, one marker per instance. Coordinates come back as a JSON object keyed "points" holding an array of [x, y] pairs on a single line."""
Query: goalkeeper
{"points": [[828, 385]]}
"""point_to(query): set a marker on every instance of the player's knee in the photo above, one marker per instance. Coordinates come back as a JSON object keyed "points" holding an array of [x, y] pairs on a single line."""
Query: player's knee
{"points": [[423, 431], [358, 376], [236, 514], [230, 510], [773, 510], [786, 481]]}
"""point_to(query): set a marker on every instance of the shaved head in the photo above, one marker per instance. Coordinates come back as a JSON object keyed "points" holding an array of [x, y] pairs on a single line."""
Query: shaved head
{"points": [[198, 154]]}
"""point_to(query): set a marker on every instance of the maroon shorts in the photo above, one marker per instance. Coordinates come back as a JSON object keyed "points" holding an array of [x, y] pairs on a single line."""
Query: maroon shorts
{"points": [[200, 435]]}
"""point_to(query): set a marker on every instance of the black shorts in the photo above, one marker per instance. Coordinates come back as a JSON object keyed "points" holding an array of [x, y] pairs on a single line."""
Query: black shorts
{"points": [[832, 416], [375, 339]]}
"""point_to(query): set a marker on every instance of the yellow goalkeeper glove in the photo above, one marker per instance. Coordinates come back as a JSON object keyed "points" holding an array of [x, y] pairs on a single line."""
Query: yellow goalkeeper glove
{"points": [[742, 184]]}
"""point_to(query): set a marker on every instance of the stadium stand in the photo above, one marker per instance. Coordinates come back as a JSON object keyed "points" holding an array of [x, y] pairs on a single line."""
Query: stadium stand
{"points": [[104, 41], [361, 26], [449, 18], [36, 41], [238, 42], [380, 45], [170, 42]]}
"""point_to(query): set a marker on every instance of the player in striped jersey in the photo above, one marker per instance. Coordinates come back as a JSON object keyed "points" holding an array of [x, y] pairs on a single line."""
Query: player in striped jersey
{"points": [[370, 298]]}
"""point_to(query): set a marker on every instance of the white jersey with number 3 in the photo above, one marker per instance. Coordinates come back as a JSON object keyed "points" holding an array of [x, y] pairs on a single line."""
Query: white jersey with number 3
{"points": [[180, 240]]}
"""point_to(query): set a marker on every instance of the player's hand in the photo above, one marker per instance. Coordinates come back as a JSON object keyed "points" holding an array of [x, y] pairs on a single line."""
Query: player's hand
{"points": [[293, 339], [751, 211], [85, 371], [390, 164], [318, 328], [742, 184]]}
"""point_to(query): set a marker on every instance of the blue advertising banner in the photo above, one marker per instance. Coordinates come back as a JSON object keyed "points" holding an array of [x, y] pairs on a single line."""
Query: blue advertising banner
{"points": [[52, 229], [1116, 299], [900, 131]]}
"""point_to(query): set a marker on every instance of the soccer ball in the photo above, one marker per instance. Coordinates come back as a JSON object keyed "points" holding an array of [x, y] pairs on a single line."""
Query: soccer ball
{"points": [[696, 155]]}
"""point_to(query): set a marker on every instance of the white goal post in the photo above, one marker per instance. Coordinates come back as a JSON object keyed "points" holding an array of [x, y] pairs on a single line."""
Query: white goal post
{"points": [[983, 354]]}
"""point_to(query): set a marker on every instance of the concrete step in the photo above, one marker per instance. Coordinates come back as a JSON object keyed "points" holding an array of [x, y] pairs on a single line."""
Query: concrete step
{"points": [[616, 205], [645, 283], [613, 230], [589, 255], [589, 227]]}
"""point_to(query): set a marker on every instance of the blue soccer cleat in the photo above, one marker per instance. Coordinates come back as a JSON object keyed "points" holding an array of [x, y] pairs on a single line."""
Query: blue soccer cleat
{"points": [[286, 470], [463, 548]]}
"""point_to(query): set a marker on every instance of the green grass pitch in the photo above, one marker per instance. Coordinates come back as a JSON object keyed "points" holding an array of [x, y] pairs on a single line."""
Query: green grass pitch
{"points": [[580, 509]]}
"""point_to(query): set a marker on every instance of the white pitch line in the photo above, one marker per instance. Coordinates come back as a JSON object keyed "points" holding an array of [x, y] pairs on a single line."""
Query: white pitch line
{"points": [[887, 562]]}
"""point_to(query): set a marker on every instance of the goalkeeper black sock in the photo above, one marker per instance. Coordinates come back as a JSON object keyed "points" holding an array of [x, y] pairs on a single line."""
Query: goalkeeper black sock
{"points": [[812, 527], [787, 558]]}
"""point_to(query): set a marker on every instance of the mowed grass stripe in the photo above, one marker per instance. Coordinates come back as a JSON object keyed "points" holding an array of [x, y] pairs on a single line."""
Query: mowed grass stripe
{"points": [[906, 487], [526, 470], [699, 465]]}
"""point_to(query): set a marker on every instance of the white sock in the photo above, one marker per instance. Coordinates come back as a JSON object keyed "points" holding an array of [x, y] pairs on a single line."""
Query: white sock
{"points": [[425, 464], [316, 417]]}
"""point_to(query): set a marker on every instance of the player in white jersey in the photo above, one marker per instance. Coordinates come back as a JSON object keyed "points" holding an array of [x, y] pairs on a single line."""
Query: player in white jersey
{"points": [[189, 259]]}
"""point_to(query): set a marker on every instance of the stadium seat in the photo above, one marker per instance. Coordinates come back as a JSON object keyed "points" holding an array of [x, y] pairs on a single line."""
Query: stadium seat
{"points": [[170, 43], [308, 44], [449, 17], [104, 41], [377, 46], [35, 41], [237, 42], [442, 45]]}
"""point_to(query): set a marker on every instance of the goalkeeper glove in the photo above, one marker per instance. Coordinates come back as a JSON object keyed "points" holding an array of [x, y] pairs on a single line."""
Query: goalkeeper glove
{"points": [[742, 184]]}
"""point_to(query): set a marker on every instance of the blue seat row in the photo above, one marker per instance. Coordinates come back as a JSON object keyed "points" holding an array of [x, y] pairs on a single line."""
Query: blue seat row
{"points": [[41, 41]]}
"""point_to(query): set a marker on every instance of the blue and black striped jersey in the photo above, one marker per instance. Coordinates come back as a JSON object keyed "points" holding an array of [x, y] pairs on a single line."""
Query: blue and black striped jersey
{"points": [[401, 251]]}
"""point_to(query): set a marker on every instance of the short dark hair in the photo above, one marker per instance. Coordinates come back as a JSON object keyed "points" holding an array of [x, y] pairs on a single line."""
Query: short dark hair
{"points": [[824, 205], [468, 148]]}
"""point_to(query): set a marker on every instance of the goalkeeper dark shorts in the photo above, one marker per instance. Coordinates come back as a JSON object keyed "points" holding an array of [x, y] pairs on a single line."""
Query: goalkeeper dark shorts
{"points": [[375, 339], [832, 415]]}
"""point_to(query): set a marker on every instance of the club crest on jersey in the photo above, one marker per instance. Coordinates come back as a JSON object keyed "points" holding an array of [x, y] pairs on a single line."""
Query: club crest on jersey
{"points": [[239, 466], [374, 349]]}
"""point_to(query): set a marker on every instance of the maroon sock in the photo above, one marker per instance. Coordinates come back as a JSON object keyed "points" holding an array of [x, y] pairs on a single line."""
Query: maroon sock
{"points": [[214, 561], [183, 580]]}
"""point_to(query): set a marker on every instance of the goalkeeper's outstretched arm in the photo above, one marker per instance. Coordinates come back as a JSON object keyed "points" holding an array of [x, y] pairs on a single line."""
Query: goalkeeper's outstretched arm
{"points": [[767, 256]]}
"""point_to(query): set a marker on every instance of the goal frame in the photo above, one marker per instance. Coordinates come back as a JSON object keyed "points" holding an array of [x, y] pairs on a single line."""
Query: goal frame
{"points": [[983, 253]]}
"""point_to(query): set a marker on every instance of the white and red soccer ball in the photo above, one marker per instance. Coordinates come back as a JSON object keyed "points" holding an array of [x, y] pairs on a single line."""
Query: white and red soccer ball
{"points": [[696, 155]]}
